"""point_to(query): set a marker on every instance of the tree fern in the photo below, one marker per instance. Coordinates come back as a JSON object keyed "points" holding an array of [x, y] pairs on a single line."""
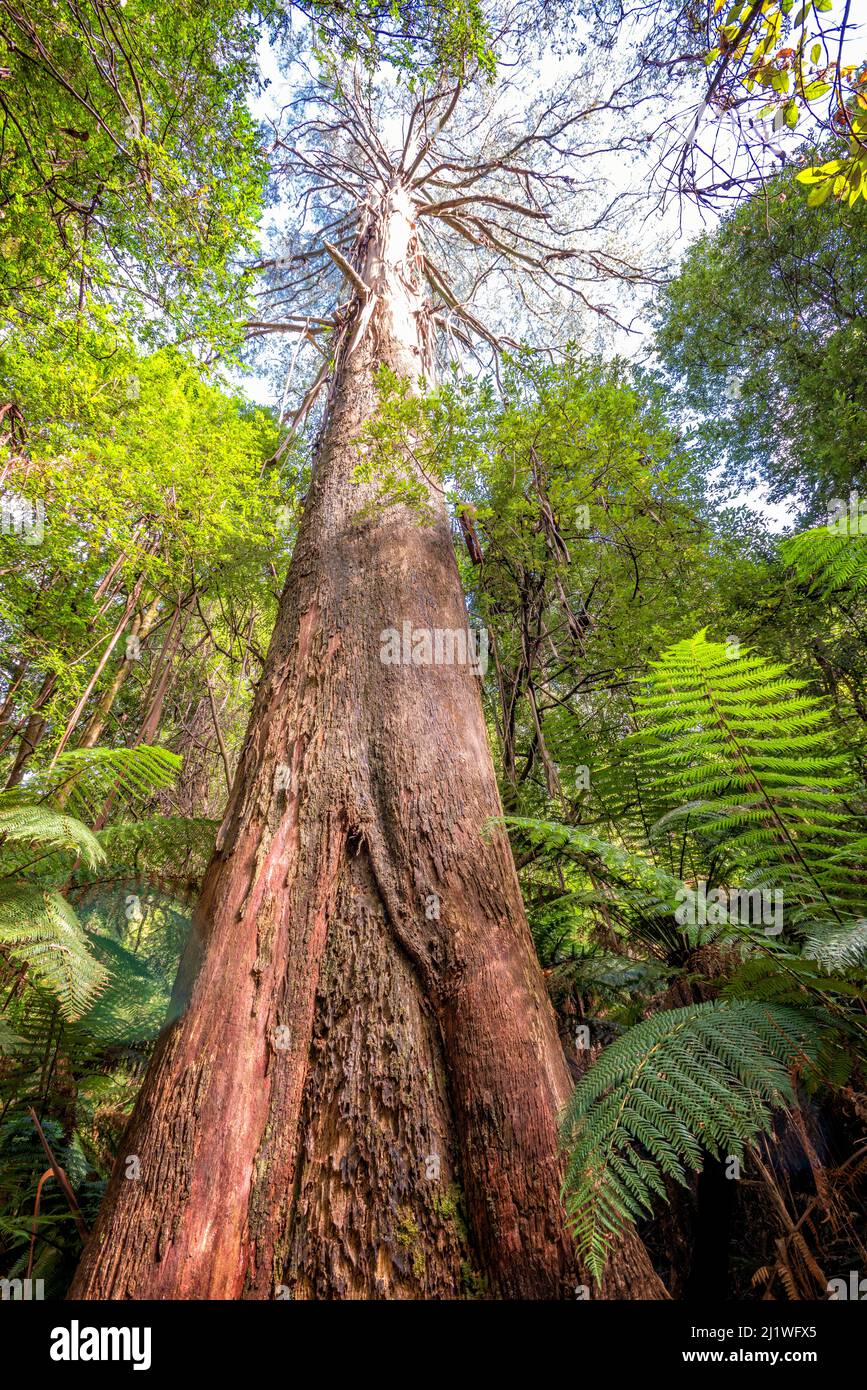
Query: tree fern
{"points": [[27, 823], [838, 947], [738, 747], [170, 851], [133, 1006], [39, 930], [684, 1083], [613, 979], [826, 561], [88, 777], [784, 977], [617, 884], [647, 883]]}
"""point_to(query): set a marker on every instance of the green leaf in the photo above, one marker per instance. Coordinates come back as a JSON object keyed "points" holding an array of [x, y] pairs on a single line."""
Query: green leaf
{"points": [[819, 195], [676, 1087]]}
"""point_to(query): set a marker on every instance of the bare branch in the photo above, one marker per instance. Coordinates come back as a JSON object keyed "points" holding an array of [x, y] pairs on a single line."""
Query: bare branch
{"points": [[352, 275]]}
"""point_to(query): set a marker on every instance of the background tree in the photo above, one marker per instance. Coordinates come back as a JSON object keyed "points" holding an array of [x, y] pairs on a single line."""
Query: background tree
{"points": [[162, 526], [130, 168], [743, 81], [761, 331]]}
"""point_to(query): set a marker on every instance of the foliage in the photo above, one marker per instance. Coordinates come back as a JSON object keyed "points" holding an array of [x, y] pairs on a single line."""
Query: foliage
{"points": [[743, 753], [827, 560], [89, 776], [39, 931], [786, 52], [645, 758], [158, 516], [131, 172], [762, 330], [737, 753], [702, 1078]]}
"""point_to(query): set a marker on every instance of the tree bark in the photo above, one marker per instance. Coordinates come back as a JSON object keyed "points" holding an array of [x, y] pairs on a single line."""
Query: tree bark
{"points": [[358, 1095], [32, 733]]}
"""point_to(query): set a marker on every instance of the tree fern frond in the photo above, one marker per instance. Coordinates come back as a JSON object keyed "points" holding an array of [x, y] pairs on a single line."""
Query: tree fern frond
{"points": [[647, 881], [785, 978], [29, 823], [828, 561], [175, 848], [674, 1087], [740, 751], [40, 929], [611, 975], [133, 1006], [89, 776], [838, 947]]}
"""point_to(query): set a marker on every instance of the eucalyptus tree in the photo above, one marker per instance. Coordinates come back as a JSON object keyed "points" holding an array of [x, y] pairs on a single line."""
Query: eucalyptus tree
{"points": [[359, 1092]]}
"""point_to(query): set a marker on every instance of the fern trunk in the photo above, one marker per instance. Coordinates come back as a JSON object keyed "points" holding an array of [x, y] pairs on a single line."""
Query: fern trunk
{"points": [[359, 1098]]}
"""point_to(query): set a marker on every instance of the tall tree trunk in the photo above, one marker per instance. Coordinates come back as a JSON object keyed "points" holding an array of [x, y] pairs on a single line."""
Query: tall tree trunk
{"points": [[358, 1097]]}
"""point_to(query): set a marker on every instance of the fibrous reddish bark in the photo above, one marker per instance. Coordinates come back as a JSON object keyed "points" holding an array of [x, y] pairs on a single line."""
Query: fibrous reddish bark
{"points": [[359, 1094]]}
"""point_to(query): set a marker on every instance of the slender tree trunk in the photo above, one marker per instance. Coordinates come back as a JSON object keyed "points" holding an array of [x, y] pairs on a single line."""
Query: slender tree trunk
{"points": [[72, 722], [164, 667], [359, 1095], [140, 628], [30, 738], [16, 676], [31, 734]]}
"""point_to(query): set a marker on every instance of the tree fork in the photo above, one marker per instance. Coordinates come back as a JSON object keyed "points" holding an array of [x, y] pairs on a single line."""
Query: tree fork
{"points": [[357, 1097]]}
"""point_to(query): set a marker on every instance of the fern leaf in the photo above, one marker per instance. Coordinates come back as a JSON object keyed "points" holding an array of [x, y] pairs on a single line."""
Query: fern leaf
{"points": [[674, 1087], [838, 947], [40, 929], [91, 775], [28, 823], [740, 751], [827, 561]]}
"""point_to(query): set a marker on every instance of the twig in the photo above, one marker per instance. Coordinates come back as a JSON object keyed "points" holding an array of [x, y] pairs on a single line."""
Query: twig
{"points": [[62, 1179]]}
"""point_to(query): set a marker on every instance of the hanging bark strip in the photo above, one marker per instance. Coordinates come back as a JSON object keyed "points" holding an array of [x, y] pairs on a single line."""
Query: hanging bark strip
{"points": [[358, 1095]]}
